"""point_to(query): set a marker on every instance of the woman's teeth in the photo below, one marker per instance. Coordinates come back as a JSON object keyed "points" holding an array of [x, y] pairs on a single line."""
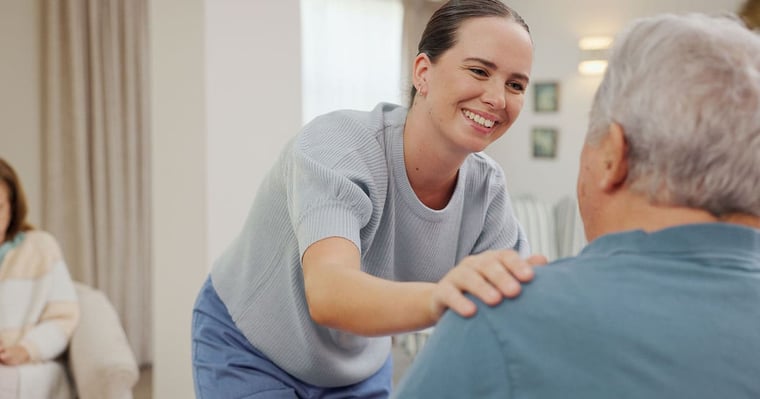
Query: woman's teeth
{"points": [[479, 119]]}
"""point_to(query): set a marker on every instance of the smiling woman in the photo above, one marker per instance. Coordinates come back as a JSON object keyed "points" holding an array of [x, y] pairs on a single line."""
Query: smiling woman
{"points": [[473, 92], [374, 223]]}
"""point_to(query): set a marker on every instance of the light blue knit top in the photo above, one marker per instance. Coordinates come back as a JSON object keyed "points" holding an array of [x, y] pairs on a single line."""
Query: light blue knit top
{"points": [[344, 176]]}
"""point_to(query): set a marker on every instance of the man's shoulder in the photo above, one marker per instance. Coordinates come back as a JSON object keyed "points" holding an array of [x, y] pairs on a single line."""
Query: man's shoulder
{"points": [[559, 290]]}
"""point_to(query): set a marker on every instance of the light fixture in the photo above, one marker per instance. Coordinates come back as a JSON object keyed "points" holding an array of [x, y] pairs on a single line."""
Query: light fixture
{"points": [[593, 54]]}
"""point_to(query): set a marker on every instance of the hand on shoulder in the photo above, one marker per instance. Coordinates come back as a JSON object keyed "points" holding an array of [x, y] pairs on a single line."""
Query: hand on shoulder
{"points": [[490, 276]]}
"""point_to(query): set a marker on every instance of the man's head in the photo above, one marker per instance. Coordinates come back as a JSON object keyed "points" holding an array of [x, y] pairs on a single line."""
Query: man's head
{"points": [[675, 121]]}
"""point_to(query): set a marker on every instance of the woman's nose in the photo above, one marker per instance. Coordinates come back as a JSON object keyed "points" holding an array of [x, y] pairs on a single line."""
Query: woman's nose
{"points": [[495, 96]]}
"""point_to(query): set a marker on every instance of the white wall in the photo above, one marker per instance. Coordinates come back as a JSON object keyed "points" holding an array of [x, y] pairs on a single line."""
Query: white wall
{"points": [[20, 96], [556, 27], [225, 78], [177, 74], [253, 103]]}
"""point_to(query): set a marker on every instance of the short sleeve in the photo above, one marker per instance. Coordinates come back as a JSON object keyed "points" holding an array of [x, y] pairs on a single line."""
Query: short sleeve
{"points": [[327, 200], [462, 359]]}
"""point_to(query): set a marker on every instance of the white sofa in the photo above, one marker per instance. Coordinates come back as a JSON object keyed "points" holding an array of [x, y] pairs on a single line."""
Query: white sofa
{"points": [[100, 360]]}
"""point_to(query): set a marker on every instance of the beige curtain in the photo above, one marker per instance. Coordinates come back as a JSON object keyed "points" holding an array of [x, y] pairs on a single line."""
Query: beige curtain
{"points": [[95, 150]]}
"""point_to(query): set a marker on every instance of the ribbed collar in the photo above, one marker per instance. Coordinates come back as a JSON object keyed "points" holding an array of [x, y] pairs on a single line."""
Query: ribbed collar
{"points": [[405, 187], [702, 238]]}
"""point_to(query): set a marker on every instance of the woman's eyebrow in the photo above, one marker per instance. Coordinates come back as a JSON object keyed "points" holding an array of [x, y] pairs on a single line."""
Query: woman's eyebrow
{"points": [[492, 65], [485, 62]]}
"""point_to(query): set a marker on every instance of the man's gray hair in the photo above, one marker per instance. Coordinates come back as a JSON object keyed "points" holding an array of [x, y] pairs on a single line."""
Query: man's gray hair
{"points": [[686, 90]]}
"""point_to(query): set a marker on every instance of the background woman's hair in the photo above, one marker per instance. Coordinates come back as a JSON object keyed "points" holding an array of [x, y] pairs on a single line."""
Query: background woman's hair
{"points": [[750, 13], [17, 200], [686, 90], [440, 33]]}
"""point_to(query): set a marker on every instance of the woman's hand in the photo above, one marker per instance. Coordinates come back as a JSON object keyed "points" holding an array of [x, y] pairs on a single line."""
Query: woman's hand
{"points": [[489, 276], [13, 355]]}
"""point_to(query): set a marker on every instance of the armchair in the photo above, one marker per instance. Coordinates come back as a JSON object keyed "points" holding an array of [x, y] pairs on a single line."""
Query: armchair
{"points": [[100, 361]]}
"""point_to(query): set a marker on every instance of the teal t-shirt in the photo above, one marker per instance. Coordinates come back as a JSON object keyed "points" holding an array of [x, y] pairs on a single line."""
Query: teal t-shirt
{"points": [[670, 314]]}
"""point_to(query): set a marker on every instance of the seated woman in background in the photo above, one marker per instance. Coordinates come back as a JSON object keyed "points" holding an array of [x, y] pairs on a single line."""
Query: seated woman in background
{"points": [[38, 305]]}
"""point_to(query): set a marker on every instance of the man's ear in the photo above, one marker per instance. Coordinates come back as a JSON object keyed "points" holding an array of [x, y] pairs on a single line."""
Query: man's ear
{"points": [[420, 70], [615, 158]]}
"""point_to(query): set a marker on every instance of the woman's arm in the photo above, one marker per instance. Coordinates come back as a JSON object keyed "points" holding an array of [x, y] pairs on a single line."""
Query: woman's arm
{"points": [[50, 336], [13, 355], [343, 297]]}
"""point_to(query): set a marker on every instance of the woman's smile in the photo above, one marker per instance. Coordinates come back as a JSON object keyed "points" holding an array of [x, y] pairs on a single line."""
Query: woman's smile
{"points": [[483, 122]]}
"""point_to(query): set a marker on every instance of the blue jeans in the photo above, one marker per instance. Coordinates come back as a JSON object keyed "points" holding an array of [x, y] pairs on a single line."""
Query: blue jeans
{"points": [[226, 365]]}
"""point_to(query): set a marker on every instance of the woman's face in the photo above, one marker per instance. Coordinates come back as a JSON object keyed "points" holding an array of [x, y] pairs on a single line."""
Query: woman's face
{"points": [[5, 210], [476, 89]]}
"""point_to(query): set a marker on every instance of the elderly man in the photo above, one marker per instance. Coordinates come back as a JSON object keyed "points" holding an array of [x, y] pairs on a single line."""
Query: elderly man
{"points": [[665, 300]]}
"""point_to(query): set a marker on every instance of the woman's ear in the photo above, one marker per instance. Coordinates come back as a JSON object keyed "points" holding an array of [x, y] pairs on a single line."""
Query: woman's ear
{"points": [[420, 71], [615, 158]]}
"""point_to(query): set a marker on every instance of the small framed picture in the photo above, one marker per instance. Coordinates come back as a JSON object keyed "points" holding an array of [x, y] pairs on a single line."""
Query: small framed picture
{"points": [[544, 141], [546, 96]]}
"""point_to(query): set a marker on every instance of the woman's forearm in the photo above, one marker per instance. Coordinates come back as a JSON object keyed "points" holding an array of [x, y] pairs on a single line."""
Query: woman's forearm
{"points": [[354, 301]]}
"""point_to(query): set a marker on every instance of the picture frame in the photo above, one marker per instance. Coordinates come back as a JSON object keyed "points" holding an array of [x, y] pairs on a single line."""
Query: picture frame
{"points": [[546, 96], [544, 142]]}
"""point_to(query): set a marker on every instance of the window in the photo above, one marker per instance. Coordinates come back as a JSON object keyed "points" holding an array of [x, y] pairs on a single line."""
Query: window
{"points": [[351, 54]]}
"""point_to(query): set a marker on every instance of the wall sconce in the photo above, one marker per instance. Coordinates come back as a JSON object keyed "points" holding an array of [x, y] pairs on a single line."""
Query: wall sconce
{"points": [[594, 54]]}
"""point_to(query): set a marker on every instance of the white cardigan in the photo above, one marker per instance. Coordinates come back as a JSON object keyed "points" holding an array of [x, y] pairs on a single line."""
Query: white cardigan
{"points": [[38, 310]]}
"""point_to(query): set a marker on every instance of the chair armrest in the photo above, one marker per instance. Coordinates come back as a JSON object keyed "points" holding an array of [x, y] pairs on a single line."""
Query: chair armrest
{"points": [[101, 362]]}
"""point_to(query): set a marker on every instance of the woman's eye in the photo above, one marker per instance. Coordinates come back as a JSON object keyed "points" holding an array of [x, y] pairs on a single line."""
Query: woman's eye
{"points": [[516, 86], [478, 71]]}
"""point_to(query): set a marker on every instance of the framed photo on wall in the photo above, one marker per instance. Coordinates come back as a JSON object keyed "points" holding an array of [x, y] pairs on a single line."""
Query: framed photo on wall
{"points": [[546, 96], [544, 142]]}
